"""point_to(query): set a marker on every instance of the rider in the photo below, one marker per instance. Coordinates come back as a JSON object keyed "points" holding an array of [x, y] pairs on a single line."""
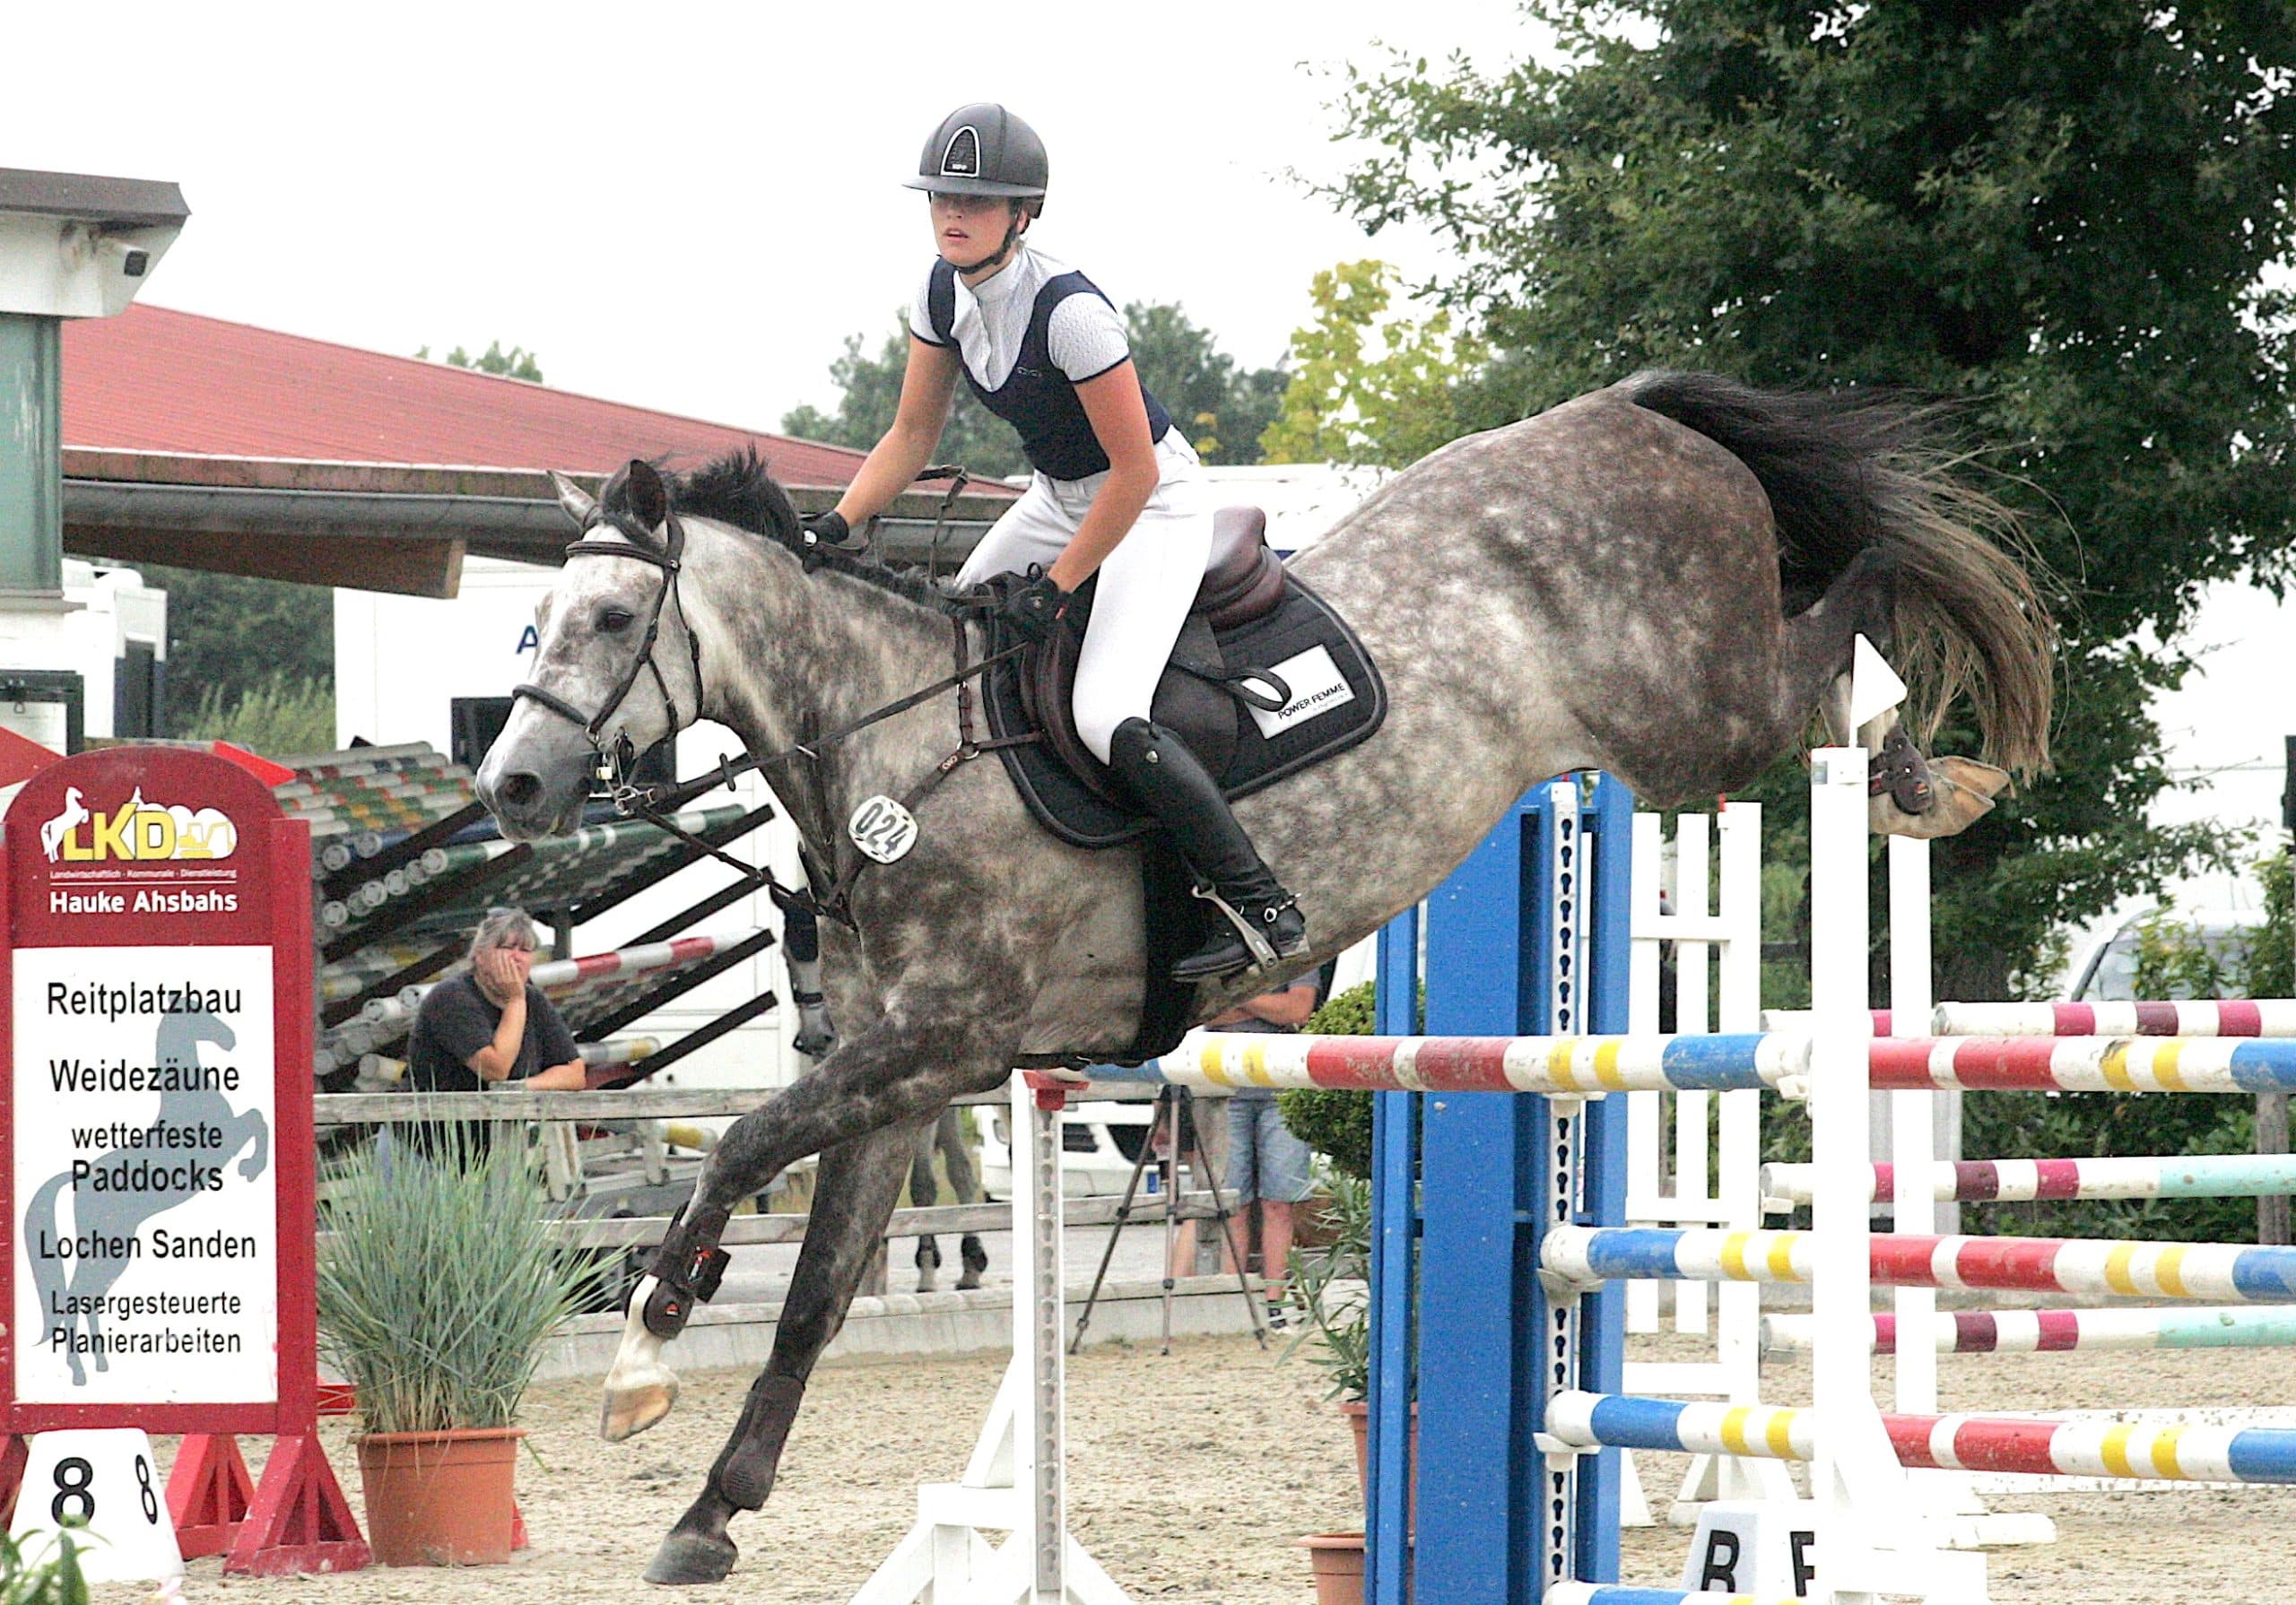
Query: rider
{"points": [[1116, 491]]}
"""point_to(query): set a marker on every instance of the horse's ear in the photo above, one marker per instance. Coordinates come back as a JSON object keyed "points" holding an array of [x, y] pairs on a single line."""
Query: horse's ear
{"points": [[649, 499], [578, 503]]}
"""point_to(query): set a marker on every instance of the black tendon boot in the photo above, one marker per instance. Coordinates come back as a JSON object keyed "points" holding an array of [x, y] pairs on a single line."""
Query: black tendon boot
{"points": [[1256, 922], [687, 1269]]}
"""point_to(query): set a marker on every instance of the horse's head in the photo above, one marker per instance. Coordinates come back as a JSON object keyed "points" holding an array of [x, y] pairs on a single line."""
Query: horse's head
{"points": [[616, 668], [181, 1034]]}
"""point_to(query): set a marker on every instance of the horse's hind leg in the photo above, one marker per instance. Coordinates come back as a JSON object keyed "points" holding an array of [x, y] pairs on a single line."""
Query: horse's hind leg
{"points": [[924, 1192], [852, 1198], [1911, 795]]}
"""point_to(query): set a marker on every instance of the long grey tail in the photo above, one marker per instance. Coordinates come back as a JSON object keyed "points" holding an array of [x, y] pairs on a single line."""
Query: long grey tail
{"points": [[1848, 470]]}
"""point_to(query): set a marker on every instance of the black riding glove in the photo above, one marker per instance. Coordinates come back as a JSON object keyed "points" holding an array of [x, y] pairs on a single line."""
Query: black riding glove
{"points": [[1033, 608], [826, 529]]}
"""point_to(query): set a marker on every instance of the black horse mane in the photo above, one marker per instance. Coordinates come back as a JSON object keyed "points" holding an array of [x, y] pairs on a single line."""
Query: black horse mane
{"points": [[738, 490]]}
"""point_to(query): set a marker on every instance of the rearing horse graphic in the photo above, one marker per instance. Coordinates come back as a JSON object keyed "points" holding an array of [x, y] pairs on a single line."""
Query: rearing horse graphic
{"points": [[114, 1217]]}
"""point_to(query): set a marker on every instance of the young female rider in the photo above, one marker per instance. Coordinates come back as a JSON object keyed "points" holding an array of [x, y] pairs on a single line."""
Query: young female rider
{"points": [[1116, 492]]}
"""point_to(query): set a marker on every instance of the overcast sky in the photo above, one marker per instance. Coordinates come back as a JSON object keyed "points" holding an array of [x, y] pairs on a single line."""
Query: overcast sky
{"points": [[689, 207]]}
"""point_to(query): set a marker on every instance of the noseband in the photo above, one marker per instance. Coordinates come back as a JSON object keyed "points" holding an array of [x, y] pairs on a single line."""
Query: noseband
{"points": [[669, 560]]}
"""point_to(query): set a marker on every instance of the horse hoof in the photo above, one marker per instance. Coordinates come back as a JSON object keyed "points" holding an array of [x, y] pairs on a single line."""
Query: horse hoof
{"points": [[1965, 790], [686, 1559], [630, 1411]]}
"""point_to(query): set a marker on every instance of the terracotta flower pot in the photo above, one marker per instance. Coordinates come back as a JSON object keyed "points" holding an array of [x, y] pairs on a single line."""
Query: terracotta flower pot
{"points": [[1337, 1558], [439, 1498], [1358, 1412]]}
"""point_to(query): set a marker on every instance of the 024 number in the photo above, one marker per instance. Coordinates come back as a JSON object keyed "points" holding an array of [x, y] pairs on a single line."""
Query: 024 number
{"points": [[882, 829]]}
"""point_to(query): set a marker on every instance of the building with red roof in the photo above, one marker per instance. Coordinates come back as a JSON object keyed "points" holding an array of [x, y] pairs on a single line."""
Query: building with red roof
{"points": [[205, 444], [157, 380]]}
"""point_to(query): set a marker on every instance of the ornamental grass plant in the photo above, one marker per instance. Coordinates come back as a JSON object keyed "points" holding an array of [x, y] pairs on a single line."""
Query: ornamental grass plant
{"points": [[39, 1571], [438, 1279]]}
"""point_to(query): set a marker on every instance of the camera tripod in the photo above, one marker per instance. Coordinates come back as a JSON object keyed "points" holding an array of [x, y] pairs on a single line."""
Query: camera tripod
{"points": [[1168, 1115]]}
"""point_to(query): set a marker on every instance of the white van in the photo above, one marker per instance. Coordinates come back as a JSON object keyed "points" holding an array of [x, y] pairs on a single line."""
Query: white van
{"points": [[1100, 1143]]}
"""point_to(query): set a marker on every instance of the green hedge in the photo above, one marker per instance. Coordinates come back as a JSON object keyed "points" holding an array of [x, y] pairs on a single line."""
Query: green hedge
{"points": [[1337, 1124]]}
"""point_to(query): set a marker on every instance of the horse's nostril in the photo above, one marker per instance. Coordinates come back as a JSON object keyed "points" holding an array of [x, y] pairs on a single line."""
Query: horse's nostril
{"points": [[519, 789]]}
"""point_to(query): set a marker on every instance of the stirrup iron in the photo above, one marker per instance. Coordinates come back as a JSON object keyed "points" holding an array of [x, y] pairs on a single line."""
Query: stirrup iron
{"points": [[1264, 957]]}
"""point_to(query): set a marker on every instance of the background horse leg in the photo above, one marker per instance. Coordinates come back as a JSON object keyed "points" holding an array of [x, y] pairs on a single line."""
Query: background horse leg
{"points": [[964, 1185], [923, 1193], [858, 1185]]}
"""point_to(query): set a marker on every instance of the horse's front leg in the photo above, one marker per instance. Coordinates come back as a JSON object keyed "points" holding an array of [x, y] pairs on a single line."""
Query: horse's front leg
{"points": [[870, 1081], [858, 1185]]}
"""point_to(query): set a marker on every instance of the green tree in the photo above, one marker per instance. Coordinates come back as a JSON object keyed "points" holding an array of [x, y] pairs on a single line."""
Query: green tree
{"points": [[1221, 406], [231, 638], [869, 395], [1372, 388], [516, 363], [2055, 213]]}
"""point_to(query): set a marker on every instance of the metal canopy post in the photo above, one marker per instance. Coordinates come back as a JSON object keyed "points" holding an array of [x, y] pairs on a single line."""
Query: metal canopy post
{"points": [[31, 456]]}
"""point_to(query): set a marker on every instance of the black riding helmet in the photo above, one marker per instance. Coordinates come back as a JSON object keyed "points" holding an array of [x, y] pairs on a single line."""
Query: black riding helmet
{"points": [[983, 149]]}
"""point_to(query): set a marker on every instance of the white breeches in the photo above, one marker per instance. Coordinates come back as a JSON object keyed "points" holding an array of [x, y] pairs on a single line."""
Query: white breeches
{"points": [[1145, 585]]}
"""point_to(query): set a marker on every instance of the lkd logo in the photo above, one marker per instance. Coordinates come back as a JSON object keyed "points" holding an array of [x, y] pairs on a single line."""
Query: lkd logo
{"points": [[135, 832]]}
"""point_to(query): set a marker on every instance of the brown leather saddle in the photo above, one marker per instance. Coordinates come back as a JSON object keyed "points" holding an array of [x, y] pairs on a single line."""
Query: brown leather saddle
{"points": [[1265, 681], [1198, 698]]}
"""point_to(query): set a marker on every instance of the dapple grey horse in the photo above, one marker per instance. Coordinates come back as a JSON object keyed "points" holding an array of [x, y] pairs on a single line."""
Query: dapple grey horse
{"points": [[1663, 580]]}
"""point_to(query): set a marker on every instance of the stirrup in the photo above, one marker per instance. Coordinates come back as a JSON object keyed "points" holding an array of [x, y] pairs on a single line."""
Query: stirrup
{"points": [[1263, 954]]}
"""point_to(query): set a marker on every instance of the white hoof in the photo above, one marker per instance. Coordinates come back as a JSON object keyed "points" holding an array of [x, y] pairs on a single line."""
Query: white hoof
{"points": [[630, 1411], [639, 1388]]}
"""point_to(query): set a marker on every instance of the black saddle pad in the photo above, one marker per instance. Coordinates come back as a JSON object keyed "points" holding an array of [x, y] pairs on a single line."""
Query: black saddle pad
{"points": [[1337, 700]]}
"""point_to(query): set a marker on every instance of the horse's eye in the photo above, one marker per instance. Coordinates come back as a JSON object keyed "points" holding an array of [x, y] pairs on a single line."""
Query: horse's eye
{"points": [[613, 621]]}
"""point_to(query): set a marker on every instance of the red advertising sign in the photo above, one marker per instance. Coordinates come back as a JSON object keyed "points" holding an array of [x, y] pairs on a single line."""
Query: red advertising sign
{"points": [[156, 960]]}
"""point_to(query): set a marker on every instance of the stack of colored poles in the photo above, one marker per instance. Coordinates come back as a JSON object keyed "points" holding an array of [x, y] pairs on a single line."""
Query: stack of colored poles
{"points": [[596, 979]]}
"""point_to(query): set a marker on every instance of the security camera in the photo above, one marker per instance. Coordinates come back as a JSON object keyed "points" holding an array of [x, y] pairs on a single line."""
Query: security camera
{"points": [[133, 261]]}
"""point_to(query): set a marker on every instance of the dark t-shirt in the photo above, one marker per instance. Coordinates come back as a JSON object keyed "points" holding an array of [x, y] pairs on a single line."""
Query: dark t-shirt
{"points": [[454, 1022]]}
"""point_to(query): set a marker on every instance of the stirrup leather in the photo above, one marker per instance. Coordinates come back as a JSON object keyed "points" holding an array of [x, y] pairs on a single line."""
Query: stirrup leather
{"points": [[1263, 951]]}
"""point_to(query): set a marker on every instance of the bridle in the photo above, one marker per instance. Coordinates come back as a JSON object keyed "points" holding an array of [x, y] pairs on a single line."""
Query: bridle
{"points": [[670, 558], [655, 804]]}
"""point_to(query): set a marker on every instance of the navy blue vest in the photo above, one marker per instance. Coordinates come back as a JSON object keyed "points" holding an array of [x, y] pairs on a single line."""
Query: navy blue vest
{"points": [[1037, 398]]}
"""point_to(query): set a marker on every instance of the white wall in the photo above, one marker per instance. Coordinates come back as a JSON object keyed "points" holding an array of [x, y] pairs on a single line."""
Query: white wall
{"points": [[102, 610], [1302, 501], [399, 661]]}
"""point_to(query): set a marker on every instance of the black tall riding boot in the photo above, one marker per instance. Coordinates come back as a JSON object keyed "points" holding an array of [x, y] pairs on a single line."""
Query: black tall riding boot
{"points": [[1246, 897]]}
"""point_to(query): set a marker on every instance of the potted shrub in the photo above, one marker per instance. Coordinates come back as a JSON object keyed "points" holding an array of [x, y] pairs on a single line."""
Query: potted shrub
{"points": [[438, 1279]]}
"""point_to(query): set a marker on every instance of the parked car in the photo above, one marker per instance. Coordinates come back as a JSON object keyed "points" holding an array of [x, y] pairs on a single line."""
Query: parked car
{"points": [[2104, 969], [1100, 1143]]}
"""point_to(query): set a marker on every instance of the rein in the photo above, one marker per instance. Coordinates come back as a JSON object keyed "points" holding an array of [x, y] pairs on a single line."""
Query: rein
{"points": [[655, 804]]}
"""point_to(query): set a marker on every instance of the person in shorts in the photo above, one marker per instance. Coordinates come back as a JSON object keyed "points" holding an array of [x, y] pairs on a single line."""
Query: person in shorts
{"points": [[1264, 1160]]}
